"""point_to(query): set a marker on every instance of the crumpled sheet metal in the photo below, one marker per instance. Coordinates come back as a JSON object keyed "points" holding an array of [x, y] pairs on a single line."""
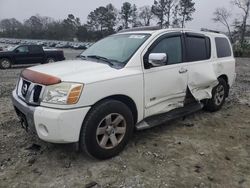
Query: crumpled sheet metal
{"points": [[201, 81]]}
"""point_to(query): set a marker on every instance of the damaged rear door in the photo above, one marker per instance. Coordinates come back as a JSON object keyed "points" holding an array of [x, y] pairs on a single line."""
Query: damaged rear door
{"points": [[201, 74]]}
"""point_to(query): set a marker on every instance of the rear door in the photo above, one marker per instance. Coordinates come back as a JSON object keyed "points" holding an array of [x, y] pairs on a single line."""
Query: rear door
{"points": [[36, 54], [165, 86], [225, 59], [201, 74]]}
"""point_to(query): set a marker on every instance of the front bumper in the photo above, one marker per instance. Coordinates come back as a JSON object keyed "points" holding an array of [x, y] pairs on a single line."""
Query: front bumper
{"points": [[52, 125]]}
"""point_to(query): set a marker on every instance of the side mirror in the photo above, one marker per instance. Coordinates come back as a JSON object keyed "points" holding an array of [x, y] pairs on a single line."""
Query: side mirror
{"points": [[157, 59], [16, 51]]}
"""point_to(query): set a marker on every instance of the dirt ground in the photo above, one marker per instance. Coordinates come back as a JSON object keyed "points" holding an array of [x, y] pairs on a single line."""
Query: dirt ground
{"points": [[203, 150]]}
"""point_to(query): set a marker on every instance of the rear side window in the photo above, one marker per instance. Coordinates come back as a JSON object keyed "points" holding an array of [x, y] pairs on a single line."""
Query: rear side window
{"points": [[197, 48], [35, 49], [223, 47]]}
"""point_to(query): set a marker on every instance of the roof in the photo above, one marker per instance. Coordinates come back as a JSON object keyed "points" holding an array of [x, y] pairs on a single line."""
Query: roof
{"points": [[154, 30]]}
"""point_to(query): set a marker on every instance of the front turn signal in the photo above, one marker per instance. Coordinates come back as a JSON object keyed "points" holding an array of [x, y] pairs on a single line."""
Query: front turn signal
{"points": [[74, 94]]}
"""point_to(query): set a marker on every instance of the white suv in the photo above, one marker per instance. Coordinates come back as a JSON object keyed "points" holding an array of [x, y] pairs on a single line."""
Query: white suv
{"points": [[135, 79]]}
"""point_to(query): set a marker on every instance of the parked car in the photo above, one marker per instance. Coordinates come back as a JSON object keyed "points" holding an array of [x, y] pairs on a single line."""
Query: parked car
{"points": [[136, 79], [80, 47], [29, 54]]}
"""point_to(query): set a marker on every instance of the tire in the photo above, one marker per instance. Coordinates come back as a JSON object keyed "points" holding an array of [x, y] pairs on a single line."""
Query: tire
{"points": [[97, 138], [219, 94], [5, 63], [50, 60]]}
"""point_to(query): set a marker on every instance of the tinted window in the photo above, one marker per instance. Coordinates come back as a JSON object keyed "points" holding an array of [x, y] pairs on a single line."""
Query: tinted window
{"points": [[23, 49], [198, 48], [223, 47], [35, 49], [172, 47]]}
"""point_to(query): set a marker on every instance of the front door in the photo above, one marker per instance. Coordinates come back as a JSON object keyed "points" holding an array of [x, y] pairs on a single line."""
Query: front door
{"points": [[21, 55], [165, 86]]}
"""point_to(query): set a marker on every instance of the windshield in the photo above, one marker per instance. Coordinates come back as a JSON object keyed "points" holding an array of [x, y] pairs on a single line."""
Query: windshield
{"points": [[11, 48], [117, 48]]}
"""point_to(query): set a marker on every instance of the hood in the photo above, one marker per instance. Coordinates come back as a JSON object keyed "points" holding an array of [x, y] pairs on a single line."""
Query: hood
{"points": [[5, 52], [80, 71]]}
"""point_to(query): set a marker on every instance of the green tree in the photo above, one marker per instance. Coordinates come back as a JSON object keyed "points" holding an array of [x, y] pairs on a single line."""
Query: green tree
{"points": [[162, 10], [102, 18], [186, 9], [126, 14], [56, 31], [10, 27], [70, 26], [134, 17], [111, 17], [34, 27]]}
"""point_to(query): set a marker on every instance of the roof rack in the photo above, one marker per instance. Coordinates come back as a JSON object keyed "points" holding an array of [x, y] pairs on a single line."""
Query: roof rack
{"points": [[145, 28], [209, 30]]}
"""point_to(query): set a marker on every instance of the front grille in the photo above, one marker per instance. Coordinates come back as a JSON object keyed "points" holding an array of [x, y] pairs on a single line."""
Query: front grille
{"points": [[25, 88], [37, 92], [29, 92]]}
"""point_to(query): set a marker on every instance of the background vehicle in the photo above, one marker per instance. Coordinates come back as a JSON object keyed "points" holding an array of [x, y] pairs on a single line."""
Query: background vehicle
{"points": [[29, 54], [136, 79]]}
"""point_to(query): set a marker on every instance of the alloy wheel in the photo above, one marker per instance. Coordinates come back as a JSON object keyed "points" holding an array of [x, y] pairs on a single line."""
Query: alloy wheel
{"points": [[111, 131]]}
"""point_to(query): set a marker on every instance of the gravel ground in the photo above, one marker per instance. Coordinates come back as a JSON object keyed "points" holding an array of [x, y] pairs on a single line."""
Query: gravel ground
{"points": [[203, 150]]}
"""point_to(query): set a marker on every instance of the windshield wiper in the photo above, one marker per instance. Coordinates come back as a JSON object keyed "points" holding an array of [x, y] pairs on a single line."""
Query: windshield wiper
{"points": [[82, 56], [100, 58]]}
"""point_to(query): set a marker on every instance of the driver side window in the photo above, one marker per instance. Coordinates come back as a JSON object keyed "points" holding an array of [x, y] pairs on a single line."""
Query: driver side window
{"points": [[23, 49], [172, 47]]}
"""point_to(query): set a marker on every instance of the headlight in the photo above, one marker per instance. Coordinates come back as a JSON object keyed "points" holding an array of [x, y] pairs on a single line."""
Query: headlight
{"points": [[63, 93]]}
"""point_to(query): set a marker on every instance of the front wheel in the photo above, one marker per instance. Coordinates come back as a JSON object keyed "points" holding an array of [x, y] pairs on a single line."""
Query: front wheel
{"points": [[219, 94], [5, 63], [107, 129]]}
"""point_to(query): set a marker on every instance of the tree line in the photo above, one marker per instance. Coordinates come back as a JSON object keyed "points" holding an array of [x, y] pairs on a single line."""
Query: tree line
{"points": [[238, 28], [102, 21]]}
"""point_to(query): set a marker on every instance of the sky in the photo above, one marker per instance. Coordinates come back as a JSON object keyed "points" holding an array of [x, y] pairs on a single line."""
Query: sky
{"points": [[59, 9]]}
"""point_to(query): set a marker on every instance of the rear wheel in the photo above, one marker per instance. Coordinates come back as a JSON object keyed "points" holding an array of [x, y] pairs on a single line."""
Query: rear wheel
{"points": [[50, 60], [219, 94], [5, 63], [107, 129]]}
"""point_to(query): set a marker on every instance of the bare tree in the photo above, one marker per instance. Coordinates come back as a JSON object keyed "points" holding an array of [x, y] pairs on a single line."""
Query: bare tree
{"points": [[126, 14], [146, 15], [162, 9], [244, 5], [222, 15]]}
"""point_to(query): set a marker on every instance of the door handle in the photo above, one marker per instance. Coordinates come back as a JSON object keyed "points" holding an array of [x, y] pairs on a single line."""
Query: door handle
{"points": [[183, 70]]}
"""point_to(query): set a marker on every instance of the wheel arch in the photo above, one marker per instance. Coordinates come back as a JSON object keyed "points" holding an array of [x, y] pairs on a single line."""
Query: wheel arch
{"points": [[126, 100], [7, 57], [225, 78]]}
